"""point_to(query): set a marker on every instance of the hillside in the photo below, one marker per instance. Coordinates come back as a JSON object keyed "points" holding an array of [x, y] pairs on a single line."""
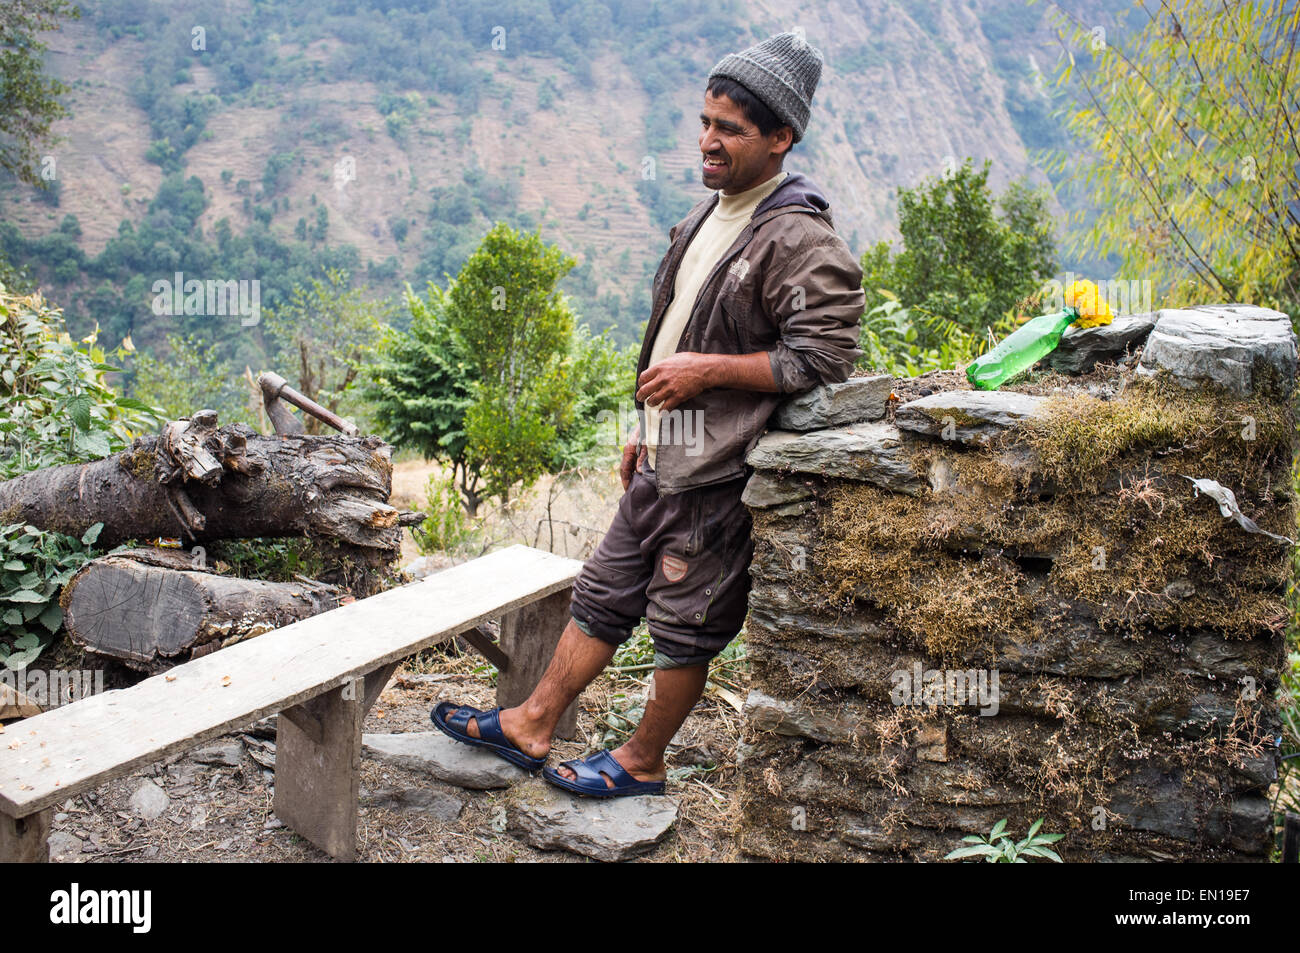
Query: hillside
{"points": [[532, 137]]}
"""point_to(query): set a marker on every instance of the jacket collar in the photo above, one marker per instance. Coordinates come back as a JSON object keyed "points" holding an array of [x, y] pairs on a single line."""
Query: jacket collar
{"points": [[796, 192], [795, 189]]}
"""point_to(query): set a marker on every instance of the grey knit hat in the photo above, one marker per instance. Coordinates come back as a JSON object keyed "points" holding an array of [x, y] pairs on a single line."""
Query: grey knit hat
{"points": [[782, 71]]}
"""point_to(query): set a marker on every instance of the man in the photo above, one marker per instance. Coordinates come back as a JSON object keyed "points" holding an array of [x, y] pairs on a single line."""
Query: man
{"points": [[756, 299]]}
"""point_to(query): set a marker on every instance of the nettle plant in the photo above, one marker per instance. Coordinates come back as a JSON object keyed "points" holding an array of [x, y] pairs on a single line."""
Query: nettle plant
{"points": [[58, 409], [34, 566], [57, 406], [997, 847]]}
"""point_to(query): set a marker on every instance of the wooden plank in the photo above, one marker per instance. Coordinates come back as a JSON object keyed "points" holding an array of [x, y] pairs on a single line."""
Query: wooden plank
{"points": [[529, 635], [303, 719], [46, 757], [24, 840], [317, 781], [376, 682], [483, 644]]}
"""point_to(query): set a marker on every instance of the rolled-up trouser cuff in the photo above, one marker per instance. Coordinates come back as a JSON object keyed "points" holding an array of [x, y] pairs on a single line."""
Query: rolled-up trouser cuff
{"points": [[664, 660], [613, 634]]}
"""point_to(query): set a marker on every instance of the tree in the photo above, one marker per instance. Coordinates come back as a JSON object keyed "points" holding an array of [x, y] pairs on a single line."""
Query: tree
{"points": [[516, 328], [188, 376], [28, 99], [420, 387], [1188, 141], [965, 258], [327, 332]]}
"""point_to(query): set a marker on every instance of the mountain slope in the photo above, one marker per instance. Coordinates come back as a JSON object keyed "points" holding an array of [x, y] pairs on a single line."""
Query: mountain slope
{"points": [[909, 86]]}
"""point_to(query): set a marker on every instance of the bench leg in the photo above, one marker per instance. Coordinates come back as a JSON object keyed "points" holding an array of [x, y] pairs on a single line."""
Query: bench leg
{"points": [[528, 638], [318, 768], [376, 682], [24, 840]]}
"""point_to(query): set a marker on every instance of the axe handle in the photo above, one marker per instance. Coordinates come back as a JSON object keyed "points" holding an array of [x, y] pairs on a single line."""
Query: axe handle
{"points": [[274, 386]]}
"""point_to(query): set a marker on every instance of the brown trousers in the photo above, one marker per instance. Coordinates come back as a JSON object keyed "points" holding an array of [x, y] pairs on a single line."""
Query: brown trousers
{"points": [[680, 561]]}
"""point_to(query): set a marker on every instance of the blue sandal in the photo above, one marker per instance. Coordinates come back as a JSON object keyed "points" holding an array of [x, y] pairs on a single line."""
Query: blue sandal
{"points": [[489, 729], [591, 783]]}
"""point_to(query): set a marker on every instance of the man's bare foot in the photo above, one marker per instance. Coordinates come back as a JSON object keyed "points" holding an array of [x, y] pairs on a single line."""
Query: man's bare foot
{"points": [[517, 731], [638, 765]]}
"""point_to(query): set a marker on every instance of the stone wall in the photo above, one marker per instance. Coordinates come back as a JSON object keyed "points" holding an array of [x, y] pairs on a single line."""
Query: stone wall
{"points": [[970, 606]]}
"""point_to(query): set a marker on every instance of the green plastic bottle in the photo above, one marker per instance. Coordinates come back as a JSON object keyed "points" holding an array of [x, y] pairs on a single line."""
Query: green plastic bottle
{"points": [[1020, 349]]}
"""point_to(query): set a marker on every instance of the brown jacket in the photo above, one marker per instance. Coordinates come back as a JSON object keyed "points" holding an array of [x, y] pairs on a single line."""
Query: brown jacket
{"points": [[788, 285]]}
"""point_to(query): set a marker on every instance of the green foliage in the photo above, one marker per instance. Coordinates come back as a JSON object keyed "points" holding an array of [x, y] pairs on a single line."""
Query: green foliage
{"points": [[620, 720], [399, 112], [188, 376], [1184, 135], [117, 294], [965, 258], [997, 847], [419, 386], [275, 174], [638, 651], [28, 98], [424, 385], [322, 338], [668, 204], [58, 407], [447, 527], [603, 376], [906, 342], [275, 560], [516, 331], [34, 566]]}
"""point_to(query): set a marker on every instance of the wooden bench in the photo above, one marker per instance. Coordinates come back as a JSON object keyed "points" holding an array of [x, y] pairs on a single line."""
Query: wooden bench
{"points": [[321, 674]]}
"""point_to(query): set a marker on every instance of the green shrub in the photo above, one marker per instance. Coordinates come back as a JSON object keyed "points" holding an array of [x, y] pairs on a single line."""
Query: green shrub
{"points": [[906, 342], [447, 526], [34, 566], [58, 407]]}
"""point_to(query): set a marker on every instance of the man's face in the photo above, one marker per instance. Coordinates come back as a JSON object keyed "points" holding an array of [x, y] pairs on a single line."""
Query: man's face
{"points": [[747, 157]]}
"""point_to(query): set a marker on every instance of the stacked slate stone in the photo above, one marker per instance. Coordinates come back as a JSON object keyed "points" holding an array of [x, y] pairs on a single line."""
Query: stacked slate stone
{"points": [[1028, 604]]}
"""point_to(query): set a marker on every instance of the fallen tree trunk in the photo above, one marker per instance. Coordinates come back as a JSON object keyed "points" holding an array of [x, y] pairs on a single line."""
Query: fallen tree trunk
{"points": [[151, 608], [200, 483]]}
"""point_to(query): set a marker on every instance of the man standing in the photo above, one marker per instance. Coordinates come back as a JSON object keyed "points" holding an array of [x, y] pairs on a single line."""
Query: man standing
{"points": [[756, 299]]}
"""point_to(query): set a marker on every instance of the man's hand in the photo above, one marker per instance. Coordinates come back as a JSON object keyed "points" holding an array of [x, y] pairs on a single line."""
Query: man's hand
{"points": [[629, 457], [677, 379]]}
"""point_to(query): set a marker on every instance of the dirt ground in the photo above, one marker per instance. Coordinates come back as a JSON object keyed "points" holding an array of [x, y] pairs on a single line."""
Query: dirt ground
{"points": [[220, 812]]}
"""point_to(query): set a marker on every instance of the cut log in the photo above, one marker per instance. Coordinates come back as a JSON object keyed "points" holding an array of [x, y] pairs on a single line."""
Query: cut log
{"points": [[201, 482], [151, 609]]}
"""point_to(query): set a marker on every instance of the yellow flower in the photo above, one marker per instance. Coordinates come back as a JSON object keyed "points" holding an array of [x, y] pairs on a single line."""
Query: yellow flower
{"points": [[1085, 298]]}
